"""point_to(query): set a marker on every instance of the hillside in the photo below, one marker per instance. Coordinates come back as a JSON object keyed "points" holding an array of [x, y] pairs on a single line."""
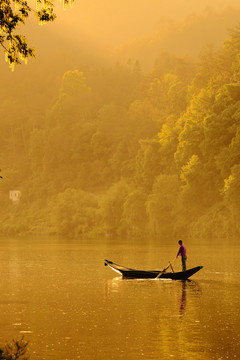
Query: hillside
{"points": [[181, 37]]}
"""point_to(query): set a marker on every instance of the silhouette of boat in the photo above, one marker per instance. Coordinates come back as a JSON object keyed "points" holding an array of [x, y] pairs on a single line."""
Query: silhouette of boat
{"points": [[152, 274]]}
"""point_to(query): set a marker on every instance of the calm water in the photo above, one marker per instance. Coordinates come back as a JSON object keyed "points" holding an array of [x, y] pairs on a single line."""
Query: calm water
{"points": [[59, 295]]}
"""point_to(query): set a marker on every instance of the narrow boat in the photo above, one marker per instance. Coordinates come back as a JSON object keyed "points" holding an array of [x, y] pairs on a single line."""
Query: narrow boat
{"points": [[152, 274]]}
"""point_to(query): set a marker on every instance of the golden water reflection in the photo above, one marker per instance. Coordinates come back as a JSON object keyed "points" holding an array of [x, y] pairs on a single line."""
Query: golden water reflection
{"points": [[69, 306], [184, 287]]}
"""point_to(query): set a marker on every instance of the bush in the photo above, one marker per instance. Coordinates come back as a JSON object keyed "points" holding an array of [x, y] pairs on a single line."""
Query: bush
{"points": [[15, 350]]}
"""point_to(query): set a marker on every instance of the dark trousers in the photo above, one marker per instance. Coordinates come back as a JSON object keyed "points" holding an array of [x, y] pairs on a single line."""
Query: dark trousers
{"points": [[184, 259]]}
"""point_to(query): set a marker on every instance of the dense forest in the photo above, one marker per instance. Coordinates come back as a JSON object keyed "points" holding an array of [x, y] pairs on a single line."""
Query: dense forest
{"points": [[125, 153]]}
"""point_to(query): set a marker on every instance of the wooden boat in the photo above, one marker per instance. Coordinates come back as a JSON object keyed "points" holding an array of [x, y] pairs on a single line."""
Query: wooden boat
{"points": [[152, 274]]}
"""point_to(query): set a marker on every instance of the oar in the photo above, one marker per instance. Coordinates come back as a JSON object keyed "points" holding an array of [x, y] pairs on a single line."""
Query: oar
{"points": [[171, 266], [161, 272]]}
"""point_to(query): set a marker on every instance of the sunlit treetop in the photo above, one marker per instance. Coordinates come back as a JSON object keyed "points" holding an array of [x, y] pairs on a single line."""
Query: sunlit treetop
{"points": [[14, 13]]}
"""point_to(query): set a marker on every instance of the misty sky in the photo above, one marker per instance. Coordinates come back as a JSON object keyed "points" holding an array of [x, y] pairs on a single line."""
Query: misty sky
{"points": [[117, 21]]}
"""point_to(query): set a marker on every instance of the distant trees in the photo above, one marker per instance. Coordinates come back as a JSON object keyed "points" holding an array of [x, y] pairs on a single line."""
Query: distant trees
{"points": [[120, 153], [231, 189], [161, 205], [73, 213], [168, 95], [112, 207], [14, 13]]}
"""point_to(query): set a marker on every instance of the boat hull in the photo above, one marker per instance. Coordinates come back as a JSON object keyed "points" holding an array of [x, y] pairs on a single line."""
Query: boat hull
{"points": [[143, 274]]}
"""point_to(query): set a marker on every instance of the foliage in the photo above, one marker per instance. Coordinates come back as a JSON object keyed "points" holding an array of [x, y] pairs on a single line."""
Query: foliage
{"points": [[14, 13], [15, 350], [120, 153], [112, 207], [161, 203], [232, 189], [134, 217], [73, 213]]}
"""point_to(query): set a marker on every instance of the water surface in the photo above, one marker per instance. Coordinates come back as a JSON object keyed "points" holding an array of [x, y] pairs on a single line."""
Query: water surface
{"points": [[61, 298]]}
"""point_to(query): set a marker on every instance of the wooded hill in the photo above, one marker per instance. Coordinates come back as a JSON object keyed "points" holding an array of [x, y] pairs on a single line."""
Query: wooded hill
{"points": [[122, 153]]}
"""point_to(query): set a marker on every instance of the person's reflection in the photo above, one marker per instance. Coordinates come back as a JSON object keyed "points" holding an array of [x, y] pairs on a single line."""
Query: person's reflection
{"points": [[183, 301], [188, 286]]}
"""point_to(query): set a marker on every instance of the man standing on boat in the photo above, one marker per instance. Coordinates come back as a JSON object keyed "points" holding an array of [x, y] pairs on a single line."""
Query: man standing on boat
{"points": [[182, 251]]}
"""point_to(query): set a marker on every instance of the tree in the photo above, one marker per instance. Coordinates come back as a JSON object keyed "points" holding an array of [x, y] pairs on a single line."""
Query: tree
{"points": [[148, 164], [112, 207], [73, 212], [14, 13], [232, 188], [15, 350], [192, 135], [161, 203], [168, 94], [134, 213]]}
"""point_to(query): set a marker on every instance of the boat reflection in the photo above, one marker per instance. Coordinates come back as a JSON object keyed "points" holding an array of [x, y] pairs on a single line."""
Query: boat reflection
{"points": [[179, 290]]}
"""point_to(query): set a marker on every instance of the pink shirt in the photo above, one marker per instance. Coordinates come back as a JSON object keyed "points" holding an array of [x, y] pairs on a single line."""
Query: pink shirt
{"points": [[182, 251]]}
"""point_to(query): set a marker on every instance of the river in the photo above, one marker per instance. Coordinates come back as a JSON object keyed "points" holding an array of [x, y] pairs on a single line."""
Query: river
{"points": [[60, 297]]}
